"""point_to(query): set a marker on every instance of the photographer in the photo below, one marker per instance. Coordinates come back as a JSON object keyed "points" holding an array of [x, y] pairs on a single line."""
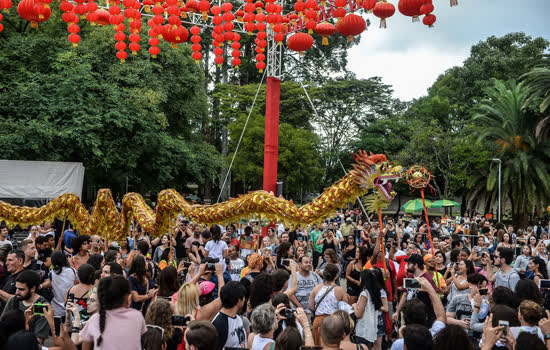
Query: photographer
{"points": [[328, 240]]}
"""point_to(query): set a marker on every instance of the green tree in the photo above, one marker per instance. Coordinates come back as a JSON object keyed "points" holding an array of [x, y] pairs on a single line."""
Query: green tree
{"points": [[140, 119], [538, 82], [506, 119]]}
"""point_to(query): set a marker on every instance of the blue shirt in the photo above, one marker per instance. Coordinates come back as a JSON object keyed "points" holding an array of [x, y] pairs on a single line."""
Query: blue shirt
{"points": [[68, 237]]}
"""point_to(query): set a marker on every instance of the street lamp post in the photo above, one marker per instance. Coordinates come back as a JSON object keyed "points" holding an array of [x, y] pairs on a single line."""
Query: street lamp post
{"points": [[499, 185]]}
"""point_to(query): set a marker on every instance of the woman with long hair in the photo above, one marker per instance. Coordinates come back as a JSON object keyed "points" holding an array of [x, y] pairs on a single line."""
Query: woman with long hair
{"points": [[160, 314], [487, 269], [538, 267], [349, 250], [164, 245], [532, 242], [284, 251], [168, 282], [353, 274], [370, 301], [541, 251], [324, 298], [328, 240], [440, 259], [167, 258], [300, 251], [116, 325], [506, 240], [63, 277], [125, 248], [141, 286], [459, 278], [330, 257]]}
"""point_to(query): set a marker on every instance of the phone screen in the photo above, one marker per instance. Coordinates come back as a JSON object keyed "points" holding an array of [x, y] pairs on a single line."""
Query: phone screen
{"points": [[411, 283], [544, 284], [38, 309], [506, 325], [285, 262]]}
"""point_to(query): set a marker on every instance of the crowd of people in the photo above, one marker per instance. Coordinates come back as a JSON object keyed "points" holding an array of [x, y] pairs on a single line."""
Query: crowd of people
{"points": [[345, 284]]}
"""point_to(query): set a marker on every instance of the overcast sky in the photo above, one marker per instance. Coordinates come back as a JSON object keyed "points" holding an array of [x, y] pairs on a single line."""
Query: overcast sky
{"points": [[410, 56]]}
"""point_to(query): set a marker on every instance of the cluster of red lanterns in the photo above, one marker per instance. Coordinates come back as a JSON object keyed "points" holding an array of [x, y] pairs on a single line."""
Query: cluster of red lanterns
{"points": [[256, 16]]}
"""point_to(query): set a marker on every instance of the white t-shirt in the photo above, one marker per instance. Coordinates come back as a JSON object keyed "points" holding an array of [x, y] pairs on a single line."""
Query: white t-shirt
{"points": [[6, 241], [367, 325], [231, 332], [235, 268], [215, 250]]}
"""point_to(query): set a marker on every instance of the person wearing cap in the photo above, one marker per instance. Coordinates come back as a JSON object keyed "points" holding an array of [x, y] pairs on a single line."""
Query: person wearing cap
{"points": [[348, 227], [415, 269], [438, 278]]}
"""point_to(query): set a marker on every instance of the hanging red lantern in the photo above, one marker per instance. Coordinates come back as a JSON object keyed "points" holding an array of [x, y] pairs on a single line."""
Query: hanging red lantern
{"points": [[383, 10], [410, 8], [175, 36], [300, 42], [134, 43], [102, 17], [325, 29], [196, 39], [260, 66], [6, 5], [74, 39], [299, 7], [426, 8], [154, 51], [204, 6], [351, 25], [278, 37], [340, 9], [219, 60], [122, 56], [27, 11], [368, 5], [429, 20], [239, 14]]}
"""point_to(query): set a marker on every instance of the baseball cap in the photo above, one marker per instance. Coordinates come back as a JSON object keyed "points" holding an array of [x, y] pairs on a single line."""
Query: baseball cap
{"points": [[206, 287], [349, 219], [428, 257], [415, 259]]}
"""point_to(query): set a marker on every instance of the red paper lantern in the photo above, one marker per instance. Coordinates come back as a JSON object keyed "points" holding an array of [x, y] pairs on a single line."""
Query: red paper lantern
{"points": [[351, 25], [154, 51], [383, 10], [260, 66], [196, 56], [426, 8], [325, 30], [410, 8], [429, 20], [6, 4], [28, 11], [122, 56], [299, 7], [74, 39], [300, 42], [368, 5], [219, 60]]}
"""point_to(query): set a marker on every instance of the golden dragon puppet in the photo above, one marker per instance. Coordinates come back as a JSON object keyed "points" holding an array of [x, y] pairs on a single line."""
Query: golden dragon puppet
{"points": [[370, 171]]}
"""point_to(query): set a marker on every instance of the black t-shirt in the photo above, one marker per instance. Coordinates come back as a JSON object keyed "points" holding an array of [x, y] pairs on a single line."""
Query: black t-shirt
{"points": [[391, 234], [44, 254], [38, 266], [292, 236], [180, 245], [8, 287], [246, 281]]}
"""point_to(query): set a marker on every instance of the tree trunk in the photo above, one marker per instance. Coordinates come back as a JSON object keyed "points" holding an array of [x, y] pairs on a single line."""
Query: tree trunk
{"points": [[519, 217]]}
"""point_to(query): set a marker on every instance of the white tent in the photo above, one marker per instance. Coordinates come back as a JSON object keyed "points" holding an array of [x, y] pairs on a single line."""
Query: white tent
{"points": [[39, 180]]}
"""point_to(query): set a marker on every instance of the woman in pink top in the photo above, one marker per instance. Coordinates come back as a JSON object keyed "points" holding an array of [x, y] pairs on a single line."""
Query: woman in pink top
{"points": [[116, 326]]}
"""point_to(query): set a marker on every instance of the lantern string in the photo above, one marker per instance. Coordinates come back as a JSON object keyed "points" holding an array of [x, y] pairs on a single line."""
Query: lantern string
{"points": [[241, 137]]}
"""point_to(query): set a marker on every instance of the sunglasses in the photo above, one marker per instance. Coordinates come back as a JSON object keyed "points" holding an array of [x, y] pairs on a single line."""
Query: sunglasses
{"points": [[157, 327]]}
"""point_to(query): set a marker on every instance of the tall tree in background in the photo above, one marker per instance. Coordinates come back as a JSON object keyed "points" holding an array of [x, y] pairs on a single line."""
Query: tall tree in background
{"points": [[507, 120]]}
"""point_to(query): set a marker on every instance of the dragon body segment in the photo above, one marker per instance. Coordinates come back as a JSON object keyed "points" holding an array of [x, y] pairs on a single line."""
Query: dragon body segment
{"points": [[369, 172]]}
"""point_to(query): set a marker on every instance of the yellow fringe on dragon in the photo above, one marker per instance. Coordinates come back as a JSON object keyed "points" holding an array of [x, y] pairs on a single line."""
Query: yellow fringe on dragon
{"points": [[369, 172]]}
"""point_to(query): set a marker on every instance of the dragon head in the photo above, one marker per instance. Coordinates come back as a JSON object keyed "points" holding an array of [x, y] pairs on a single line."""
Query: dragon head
{"points": [[374, 171]]}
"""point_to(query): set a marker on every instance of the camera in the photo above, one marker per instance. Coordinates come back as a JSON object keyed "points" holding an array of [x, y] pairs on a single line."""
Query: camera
{"points": [[483, 291], [38, 308], [180, 320], [411, 283], [289, 314], [285, 262]]}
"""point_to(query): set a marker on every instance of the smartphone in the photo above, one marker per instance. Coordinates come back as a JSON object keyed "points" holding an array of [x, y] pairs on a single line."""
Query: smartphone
{"points": [[411, 283], [186, 264], [165, 298], [70, 298], [483, 291], [211, 267], [506, 326], [180, 320], [544, 284], [38, 308], [285, 262], [227, 261]]}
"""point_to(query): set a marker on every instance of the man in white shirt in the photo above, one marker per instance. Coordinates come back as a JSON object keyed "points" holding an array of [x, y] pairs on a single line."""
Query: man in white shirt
{"points": [[4, 236]]}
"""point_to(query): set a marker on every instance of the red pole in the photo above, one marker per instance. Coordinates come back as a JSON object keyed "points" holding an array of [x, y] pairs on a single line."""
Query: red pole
{"points": [[271, 147]]}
